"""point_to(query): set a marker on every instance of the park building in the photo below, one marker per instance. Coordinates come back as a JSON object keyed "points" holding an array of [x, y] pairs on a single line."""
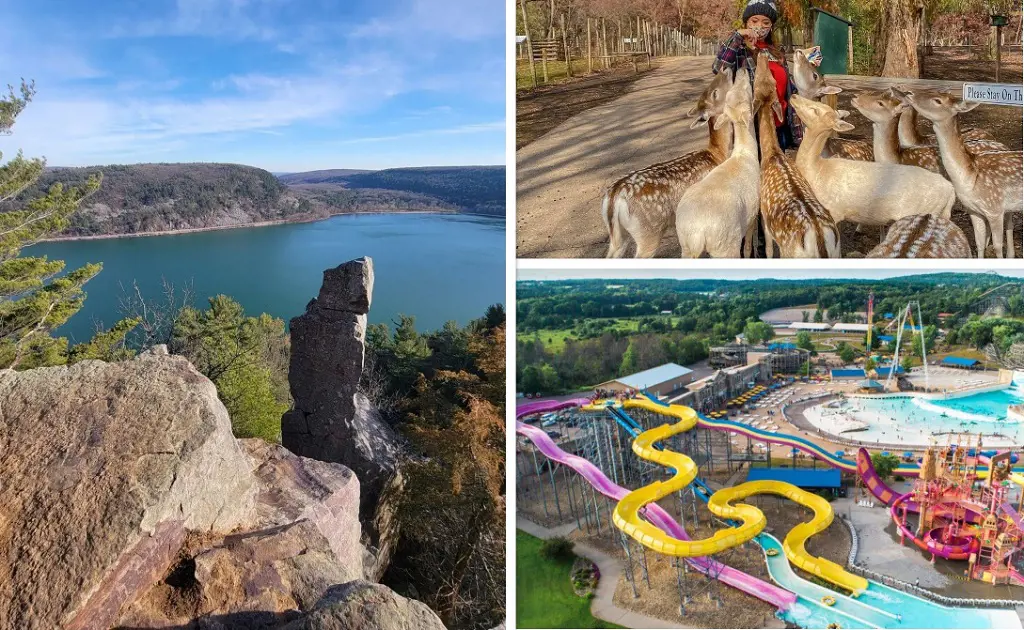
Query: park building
{"points": [[665, 380], [713, 391], [810, 326], [843, 327]]}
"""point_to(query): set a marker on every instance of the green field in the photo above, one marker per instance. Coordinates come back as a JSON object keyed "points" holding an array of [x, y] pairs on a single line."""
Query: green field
{"points": [[544, 597], [554, 339]]}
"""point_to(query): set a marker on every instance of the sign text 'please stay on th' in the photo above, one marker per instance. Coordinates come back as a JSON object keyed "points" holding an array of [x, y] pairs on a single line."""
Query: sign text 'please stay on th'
{"points": [[995, 93]]}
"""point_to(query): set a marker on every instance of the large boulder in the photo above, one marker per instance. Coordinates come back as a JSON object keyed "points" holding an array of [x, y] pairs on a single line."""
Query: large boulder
{"points": [[331, 421], [303, 539], [366, 606], [106, 467]]}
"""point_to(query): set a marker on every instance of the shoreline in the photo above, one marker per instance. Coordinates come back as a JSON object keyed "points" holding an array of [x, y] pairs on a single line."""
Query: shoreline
{"points": [[257, 224]]}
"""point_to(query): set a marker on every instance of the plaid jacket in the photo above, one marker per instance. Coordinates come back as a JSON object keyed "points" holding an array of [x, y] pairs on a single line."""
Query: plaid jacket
{"points": [[735, 54]]}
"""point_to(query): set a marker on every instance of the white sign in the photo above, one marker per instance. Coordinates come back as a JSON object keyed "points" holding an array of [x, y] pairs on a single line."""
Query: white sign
{"points": [[995, 93], [628, 40]]}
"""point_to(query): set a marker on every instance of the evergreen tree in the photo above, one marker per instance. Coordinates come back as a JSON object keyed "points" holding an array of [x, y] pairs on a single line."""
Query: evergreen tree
{"points": [[33, 299], [238, 354]]}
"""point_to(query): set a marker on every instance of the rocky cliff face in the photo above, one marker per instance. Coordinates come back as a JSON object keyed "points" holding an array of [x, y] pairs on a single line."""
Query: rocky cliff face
{"points": [[126, 502], [331, 421]]}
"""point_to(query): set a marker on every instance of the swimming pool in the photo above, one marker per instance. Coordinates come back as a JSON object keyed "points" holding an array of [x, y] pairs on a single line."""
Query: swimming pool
{"points": [[914, 420]]}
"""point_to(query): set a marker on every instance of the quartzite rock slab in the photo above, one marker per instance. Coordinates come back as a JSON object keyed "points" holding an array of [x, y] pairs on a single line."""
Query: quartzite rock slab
{"points": [[104, 467], [366, 606], [331, 421]]}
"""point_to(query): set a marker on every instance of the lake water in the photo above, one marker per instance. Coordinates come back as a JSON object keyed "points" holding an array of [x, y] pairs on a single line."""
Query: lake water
{"points": [[436, 267]]}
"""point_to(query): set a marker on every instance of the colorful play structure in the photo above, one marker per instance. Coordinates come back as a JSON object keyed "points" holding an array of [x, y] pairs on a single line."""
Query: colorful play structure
{"points": [[957, 518]]}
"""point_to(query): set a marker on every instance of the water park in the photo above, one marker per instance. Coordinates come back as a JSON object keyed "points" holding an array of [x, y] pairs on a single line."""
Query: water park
{"points": [[732, 509]]}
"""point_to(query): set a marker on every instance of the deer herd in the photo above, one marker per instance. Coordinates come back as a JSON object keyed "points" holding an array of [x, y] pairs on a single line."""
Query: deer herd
{"points": [[716, 197]]}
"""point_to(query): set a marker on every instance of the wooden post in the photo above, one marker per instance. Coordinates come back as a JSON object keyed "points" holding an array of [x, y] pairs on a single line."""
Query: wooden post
{"points": [[999, 54], [565, 45], [604, 40], [849, 49], [544, 62], [529, 43], [590, 55]]}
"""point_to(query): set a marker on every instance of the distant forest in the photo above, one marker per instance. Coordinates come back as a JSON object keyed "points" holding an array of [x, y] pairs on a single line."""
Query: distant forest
{"points": [[574, 334], [141, 198]]}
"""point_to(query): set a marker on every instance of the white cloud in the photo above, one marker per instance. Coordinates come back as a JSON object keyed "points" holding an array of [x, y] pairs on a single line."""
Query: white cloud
{"points": [[497, 126]]}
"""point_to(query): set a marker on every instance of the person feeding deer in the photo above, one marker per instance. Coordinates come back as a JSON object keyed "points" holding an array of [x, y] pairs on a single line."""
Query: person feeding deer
{"points": [[741, 51]]}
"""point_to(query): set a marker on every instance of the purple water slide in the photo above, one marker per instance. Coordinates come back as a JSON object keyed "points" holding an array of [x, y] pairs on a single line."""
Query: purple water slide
{"points": [[778, 597], [1008, 510], [544, 406]]}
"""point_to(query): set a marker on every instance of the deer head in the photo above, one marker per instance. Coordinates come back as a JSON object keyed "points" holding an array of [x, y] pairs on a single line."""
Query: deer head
{"points": [[712, 101], [765, 88], [878, 107], [810, 83], [819, 116], [938, 106], [737, 105]]}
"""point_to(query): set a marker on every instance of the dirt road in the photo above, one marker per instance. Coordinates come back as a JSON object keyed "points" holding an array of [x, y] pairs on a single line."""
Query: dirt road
{"points": [[561, 176]]}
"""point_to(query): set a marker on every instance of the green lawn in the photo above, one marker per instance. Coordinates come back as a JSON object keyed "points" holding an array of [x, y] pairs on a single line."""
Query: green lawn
{"points": [[544, 597], [554, 339]]}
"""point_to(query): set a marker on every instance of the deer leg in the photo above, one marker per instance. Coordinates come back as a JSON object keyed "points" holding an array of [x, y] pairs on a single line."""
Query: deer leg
{"points": [[1011, 252], [997, 234], [647, 244], [980, 233], [617, 241], [769, 244]]}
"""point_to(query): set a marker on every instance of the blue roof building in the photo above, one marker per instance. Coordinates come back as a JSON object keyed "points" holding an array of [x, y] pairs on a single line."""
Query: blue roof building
{"points": [[847, 374], [960, 362], [799, 477]]}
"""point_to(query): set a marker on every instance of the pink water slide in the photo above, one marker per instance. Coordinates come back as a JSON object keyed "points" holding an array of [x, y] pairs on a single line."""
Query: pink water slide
{"points": [[778, 597]]}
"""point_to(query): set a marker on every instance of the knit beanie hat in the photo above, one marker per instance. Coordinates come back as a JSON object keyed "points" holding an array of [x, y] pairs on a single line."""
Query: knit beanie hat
{"points": [[766, 8]]}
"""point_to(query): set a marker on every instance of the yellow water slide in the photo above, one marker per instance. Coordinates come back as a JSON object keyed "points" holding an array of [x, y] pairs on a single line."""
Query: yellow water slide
{"points": [[752, 520]]}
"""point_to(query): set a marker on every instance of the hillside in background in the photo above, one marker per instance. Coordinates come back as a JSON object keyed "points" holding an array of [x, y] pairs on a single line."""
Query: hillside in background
{"points": [[474, 189], [143, 198]]}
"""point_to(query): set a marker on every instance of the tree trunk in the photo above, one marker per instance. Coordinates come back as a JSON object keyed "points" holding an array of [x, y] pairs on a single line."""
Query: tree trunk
{"points": [[896, 37]]}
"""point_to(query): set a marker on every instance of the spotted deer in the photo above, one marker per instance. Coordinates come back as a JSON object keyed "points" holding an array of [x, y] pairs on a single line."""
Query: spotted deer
{"points": [[911, 136], [810, 84], [883, 110], [868, 193], [791, 213], [717, 213], [923, 236], [642, 204], [989, 184]]}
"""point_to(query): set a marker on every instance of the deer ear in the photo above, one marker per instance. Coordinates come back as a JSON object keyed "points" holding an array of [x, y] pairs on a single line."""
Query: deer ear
{"points": [[830, 89], [842, 113], [902, 107], [965, 106], [842, 125], [720, 122], [699, 122], [777, 108], [693, 110]]}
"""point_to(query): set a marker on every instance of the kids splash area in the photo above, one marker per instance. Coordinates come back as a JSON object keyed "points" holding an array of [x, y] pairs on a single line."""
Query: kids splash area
{"points": [[710, 531]]}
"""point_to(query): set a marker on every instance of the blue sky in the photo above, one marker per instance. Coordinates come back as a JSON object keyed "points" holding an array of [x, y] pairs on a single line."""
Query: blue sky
{"points": [[286, 85]]}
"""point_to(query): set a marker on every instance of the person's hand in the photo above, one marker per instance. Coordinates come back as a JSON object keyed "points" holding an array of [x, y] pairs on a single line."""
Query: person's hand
{"points": [[747, 33]]}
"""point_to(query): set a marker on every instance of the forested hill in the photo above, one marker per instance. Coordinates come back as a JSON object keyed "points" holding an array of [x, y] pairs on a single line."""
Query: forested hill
{"points": [[141, 198], [476, 189]]}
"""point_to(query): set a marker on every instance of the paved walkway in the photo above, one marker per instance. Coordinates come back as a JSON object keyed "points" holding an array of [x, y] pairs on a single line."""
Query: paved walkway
{"points": [[561, 176], [602, 606]]}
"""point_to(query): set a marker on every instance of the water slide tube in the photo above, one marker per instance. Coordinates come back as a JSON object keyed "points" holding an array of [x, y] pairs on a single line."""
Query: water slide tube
{"points": [[778, 597], [627, 513], [961, 550]]}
